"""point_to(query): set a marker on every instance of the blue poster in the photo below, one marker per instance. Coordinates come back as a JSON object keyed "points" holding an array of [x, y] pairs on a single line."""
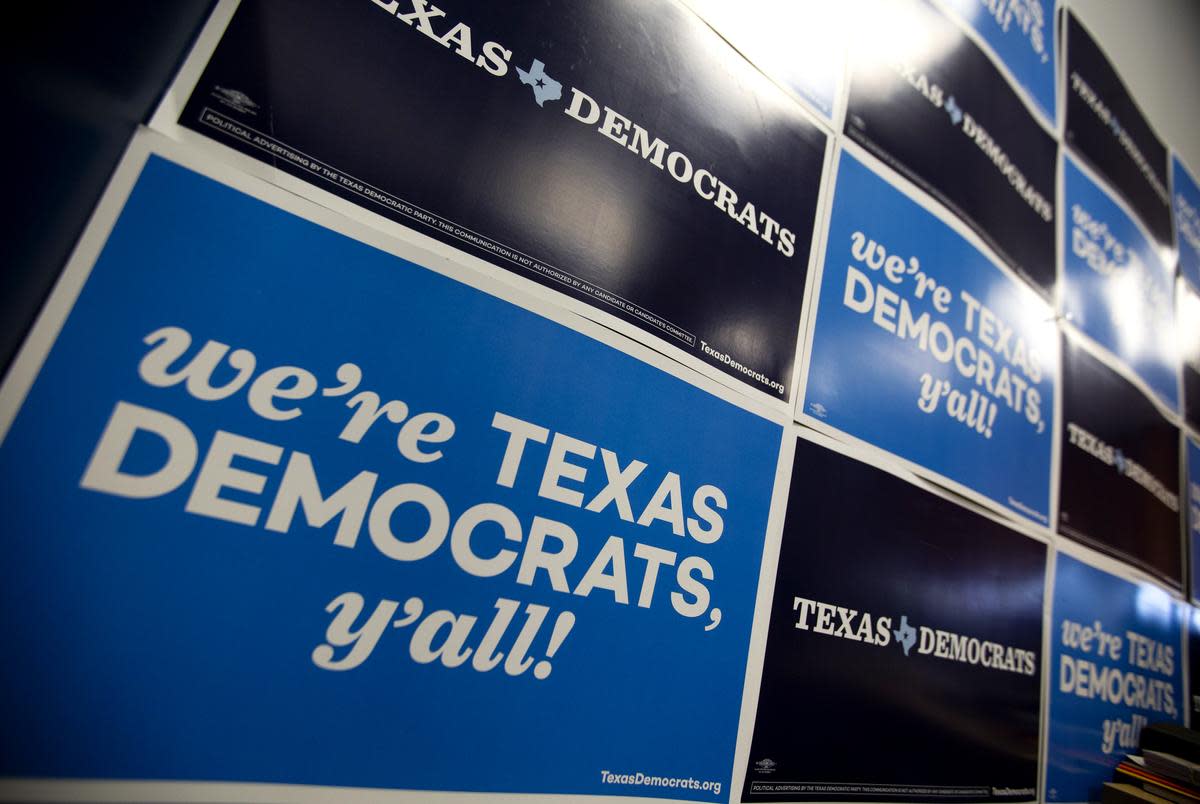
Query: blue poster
{"points": [[282, 507], [1116, 665], [1186, 194], [1115, 286], [923, 347], [1021, 34], [1193, 513]]}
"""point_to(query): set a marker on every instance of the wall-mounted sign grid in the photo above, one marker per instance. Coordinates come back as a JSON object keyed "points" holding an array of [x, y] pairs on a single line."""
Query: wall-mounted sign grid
{"points": [[1119, 488], [285, 502], [1105, 126], [1116, 666], [1186, 205], [922, 346], [927, 100], [1115, 286], [574, 146], [299, 474], [907, 635]]}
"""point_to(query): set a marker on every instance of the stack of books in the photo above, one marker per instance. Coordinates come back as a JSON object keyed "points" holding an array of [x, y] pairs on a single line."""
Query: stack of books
{"points": [[1167, 771]]}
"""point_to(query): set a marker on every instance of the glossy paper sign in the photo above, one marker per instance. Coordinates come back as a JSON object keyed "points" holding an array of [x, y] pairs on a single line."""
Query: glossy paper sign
{"points": [[1115, 286], [1187, 222], [1021, 34], [1106, 127], [1119, 475], [903, 655], [1116, 665], [922, 346], [925, 99], [1193, 637], [800, 44], [1193, 516], [295, 510], [1188, 321], [619, 152]]}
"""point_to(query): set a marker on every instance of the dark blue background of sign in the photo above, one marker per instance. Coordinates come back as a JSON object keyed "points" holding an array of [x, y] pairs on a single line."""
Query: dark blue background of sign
{"points": [[1032, 70], [1193, 637], [1193, 515], [1098, 504], [159, 644], [886, 115], [1097, 143], [1182, 184], [1083, 594], [837, 711], [353, 86], [1188, 326], [867, 379], [1145, 340]]}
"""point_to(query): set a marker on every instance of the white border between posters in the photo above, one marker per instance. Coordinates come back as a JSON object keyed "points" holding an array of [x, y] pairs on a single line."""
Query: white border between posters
{"points": [[182, 85], [1056, 309], [812, 280], [865, 453], [1101, 354], [816, 256], [931, 205], [1047, 672], [813, 285], [164, 121], [762, 612], [1113, 566], [146, 143]]}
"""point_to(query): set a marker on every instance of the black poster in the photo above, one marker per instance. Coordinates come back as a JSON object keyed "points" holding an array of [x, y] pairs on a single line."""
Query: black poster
{"points": [[1119, 475], [619, 152], [1191, 384], [903, 652], [1105, 126], [1188, 323], [1193, 636], [925, 99]]}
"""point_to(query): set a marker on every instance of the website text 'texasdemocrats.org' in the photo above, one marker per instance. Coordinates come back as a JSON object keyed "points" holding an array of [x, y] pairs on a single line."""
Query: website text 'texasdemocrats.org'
{"points": [[647, 780]]}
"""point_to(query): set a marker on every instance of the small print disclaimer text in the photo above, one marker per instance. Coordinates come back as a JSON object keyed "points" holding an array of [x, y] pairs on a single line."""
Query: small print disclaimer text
{"points": [[930, 792], [647, 780]]}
